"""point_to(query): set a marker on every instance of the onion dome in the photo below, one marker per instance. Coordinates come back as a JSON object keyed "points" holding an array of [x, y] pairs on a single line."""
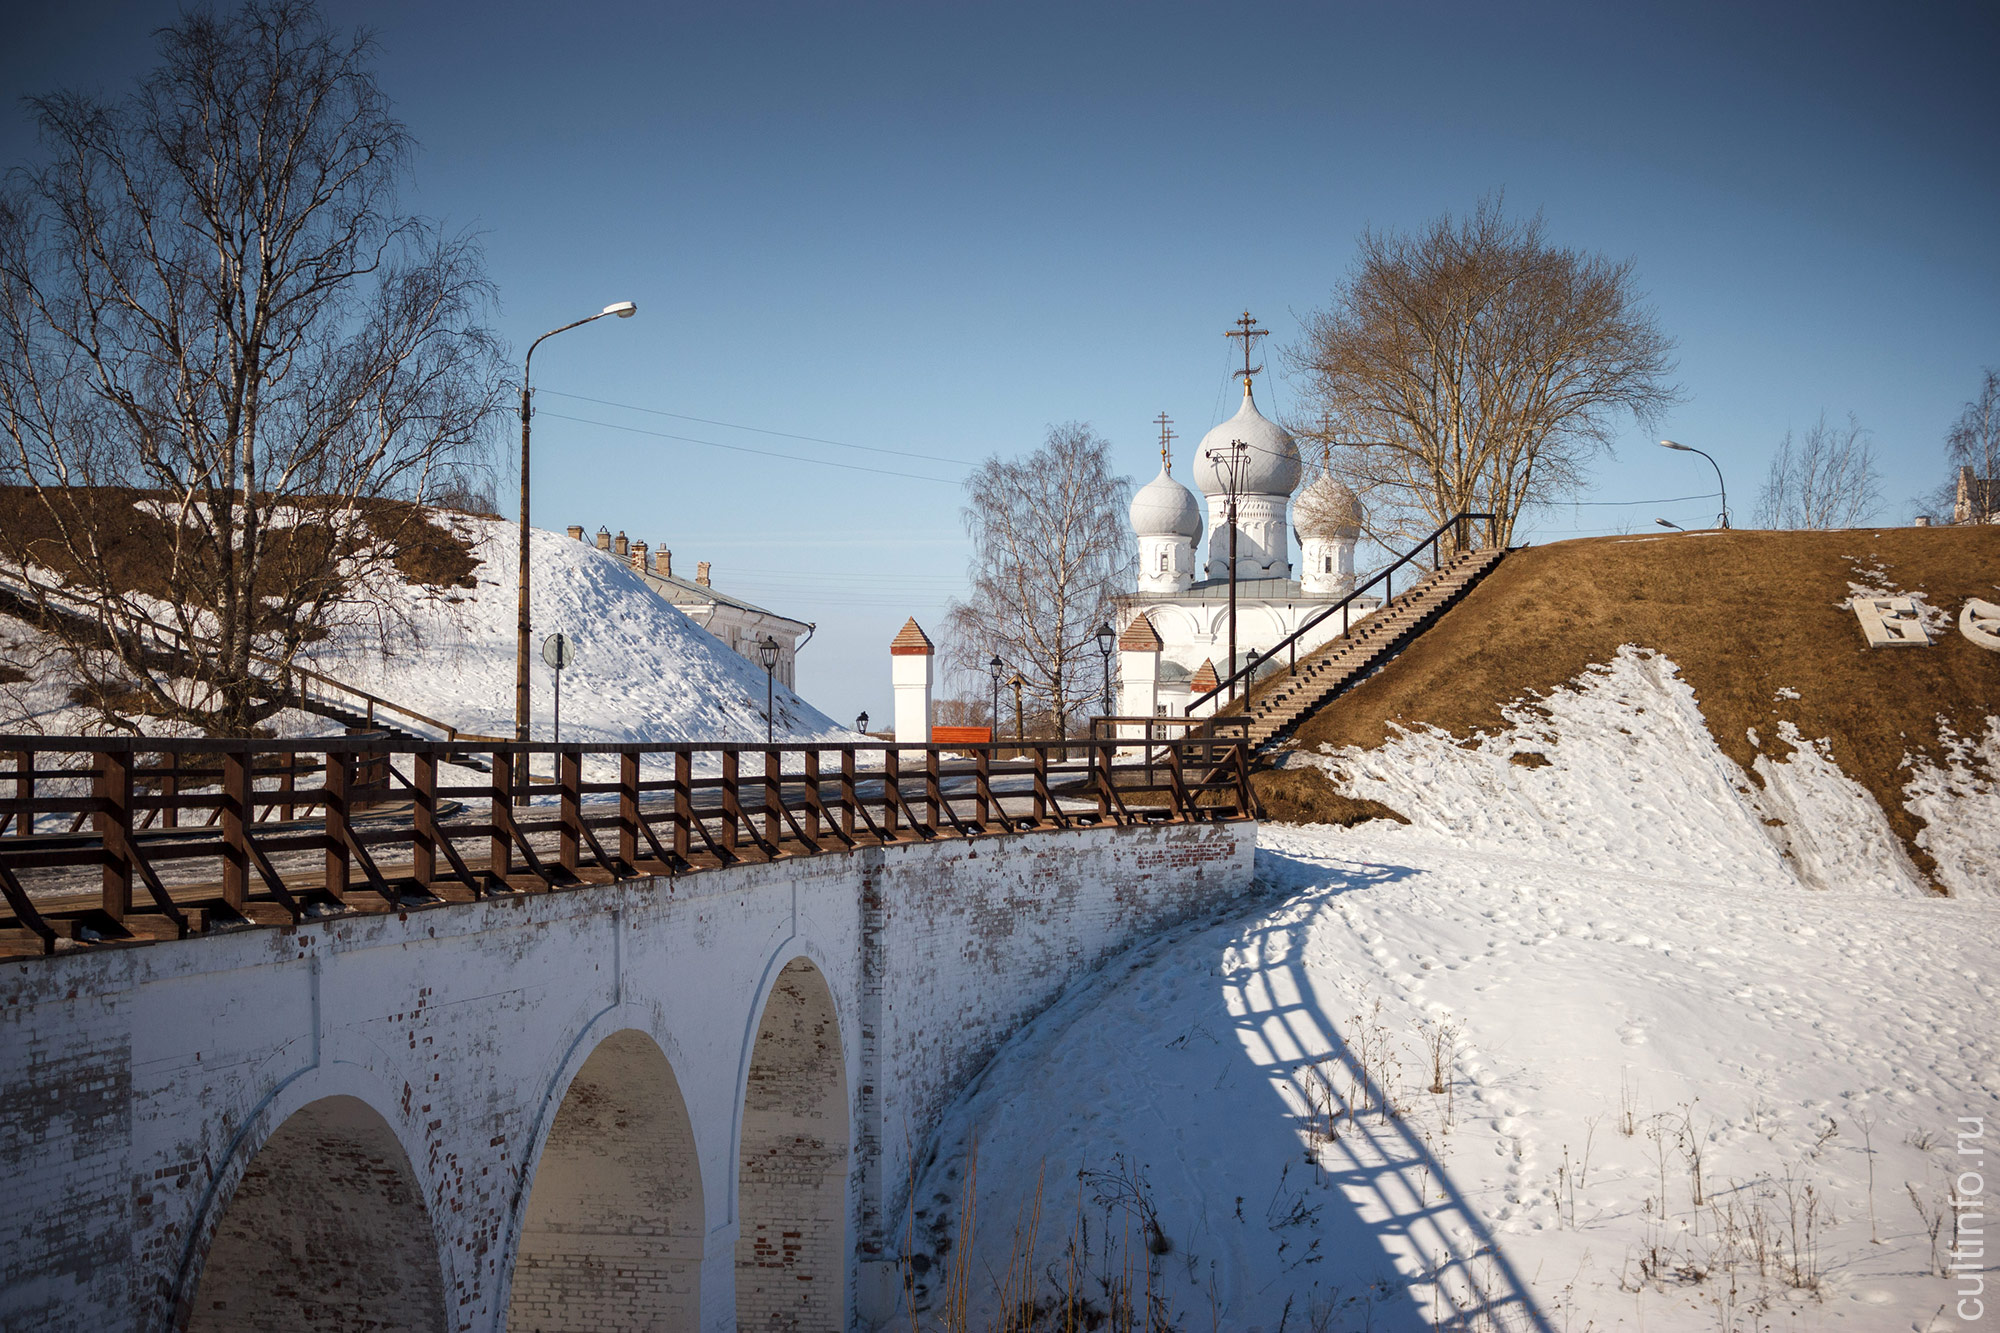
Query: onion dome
{"points": [[1165, 508], [1327, 510], [1270, 466]]}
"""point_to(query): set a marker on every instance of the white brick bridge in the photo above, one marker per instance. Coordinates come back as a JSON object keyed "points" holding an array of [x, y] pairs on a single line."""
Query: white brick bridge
{"points": [[653, 1103]]}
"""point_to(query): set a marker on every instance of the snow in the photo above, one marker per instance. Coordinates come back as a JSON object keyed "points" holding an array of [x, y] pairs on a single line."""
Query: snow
{"points": [[1627, 968], [1961, 810], [643, 670]]}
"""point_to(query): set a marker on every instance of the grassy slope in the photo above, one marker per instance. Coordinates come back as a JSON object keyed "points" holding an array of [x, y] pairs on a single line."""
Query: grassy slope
{"points": [[1742, 614]]}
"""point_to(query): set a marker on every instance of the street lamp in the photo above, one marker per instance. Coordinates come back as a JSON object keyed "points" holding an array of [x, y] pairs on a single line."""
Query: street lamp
{"points": [[1105, 638], [1675, 526], [861, 722], [1229, 461], [767, 653], [624, 310], [993, 669], [1723, 519]]}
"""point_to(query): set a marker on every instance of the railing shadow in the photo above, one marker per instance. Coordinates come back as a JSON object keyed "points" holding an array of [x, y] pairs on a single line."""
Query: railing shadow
{"points": [[1398, 1192]]}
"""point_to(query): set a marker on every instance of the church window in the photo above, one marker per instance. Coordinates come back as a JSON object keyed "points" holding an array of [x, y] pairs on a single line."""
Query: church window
{"points": [[1166, 558], [1326, 566]]}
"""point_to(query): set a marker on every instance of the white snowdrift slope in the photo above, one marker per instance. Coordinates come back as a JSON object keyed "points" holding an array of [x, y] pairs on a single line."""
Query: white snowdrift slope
{"points": [[1784, 1031], [1633, 779], [643, 672], [1626, 974]]}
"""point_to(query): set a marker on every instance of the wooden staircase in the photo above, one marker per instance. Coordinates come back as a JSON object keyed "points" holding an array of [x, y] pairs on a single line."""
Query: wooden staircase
{"points": [[1275, 706]]}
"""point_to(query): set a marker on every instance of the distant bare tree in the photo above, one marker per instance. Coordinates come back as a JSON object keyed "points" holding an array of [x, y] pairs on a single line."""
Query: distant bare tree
{"points": [[1974, 443], [1051, 550], [1475, 365], [1825, 479], [221, 340]]}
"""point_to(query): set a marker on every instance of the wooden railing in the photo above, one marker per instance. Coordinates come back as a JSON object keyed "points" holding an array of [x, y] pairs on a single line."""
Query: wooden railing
{"points": [[1460, 524], [118, 840]]}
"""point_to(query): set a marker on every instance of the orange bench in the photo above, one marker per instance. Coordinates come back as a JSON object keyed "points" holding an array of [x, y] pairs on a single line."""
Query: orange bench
{"points": [[961, 735]]}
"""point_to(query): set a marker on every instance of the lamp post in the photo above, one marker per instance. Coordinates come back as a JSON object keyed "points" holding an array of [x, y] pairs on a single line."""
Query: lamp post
{"points": [[767, 653], [1723, 519], [1105, 638], [1675, 526], [993, 669], [1229, 461], [624, 310], [861, 722]]}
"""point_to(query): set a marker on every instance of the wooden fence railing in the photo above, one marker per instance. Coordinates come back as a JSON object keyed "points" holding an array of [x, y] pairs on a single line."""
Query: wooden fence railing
{"points": [[118, 840]]}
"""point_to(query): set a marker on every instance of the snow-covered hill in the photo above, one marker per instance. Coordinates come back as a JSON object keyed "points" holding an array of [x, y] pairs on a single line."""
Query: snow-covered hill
{"points": [[643, 670], [1699, 1070]]}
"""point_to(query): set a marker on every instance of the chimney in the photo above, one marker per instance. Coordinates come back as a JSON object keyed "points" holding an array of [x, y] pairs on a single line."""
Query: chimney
{"points": [[619, 547], [639, 556], [701, 572], [604, 539], [663, 564], [576, 532]]}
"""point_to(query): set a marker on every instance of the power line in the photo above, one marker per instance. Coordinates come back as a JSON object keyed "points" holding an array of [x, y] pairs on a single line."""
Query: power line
{"points": [[745, 449], [1580, 504], [737, 425]]}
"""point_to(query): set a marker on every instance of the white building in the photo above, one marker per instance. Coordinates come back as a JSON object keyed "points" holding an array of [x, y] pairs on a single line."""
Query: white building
{"points": [[740, 624], [1188, 617]]}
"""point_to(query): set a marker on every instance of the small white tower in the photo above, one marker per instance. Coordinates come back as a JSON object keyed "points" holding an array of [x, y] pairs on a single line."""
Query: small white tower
{"points": [[1166, 518], [1330, 517]]}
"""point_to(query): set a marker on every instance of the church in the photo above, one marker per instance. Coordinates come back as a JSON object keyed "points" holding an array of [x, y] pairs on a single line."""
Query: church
{"points": [[1174, 626]]}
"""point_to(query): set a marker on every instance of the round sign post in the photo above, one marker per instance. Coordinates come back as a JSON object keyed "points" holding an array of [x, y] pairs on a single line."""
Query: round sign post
{"points": [[558, 652]]}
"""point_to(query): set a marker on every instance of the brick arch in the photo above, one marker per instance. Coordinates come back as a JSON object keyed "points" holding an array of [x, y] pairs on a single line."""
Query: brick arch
{"points": [[792, 1165], [326, 1229], [613, 1232]]}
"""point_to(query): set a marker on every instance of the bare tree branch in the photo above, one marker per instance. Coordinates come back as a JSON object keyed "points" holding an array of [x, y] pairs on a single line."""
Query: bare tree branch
{"points": [[1474, 365], [1051, 551], [216, 329], [1827, 479]]}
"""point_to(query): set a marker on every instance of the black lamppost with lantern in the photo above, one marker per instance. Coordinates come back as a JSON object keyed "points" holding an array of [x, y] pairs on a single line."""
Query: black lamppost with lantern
{"points": [[767, 653], [994, 668], [1105, 641]]}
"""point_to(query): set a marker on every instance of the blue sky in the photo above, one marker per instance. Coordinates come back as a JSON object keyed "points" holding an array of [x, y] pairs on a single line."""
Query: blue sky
{"points": [[937, 229]]}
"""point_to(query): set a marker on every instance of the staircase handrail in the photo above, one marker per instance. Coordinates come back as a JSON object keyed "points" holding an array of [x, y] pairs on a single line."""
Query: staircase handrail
{"points": [[32, 588], [1385, 576]]}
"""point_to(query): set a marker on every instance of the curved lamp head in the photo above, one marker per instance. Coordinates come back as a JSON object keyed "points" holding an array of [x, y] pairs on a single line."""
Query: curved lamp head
{"points": [[622, 309], [1669, 444], [1675, 526]]}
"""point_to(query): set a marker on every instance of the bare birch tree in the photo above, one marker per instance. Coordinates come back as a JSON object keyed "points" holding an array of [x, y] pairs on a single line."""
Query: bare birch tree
{"points": [[1051, 550], [1824, 479], [1474, 365], [221, 349]]}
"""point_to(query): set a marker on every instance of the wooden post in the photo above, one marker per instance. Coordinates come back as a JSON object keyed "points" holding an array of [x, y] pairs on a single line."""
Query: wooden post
{"points": [[500, 850], [1041, 781], [569, 780], [423, 820], [813, 798], [335, 823], [1099, 776], [290, 784], [24, 790], [933, 792], [236, 815], [628, 807], [892, 780], [774, 794], [683, 803], [982, 768], [848, 798], [732, 803], [114, 825], [170, 788]]}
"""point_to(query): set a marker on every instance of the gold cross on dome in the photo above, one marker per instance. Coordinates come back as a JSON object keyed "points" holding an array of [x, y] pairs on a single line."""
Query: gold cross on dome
{"points": [[1165, 424]]}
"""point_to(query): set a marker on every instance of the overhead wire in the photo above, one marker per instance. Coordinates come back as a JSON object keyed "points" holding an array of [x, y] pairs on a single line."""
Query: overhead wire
{"points": [[760, 430], [746, 449]]}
